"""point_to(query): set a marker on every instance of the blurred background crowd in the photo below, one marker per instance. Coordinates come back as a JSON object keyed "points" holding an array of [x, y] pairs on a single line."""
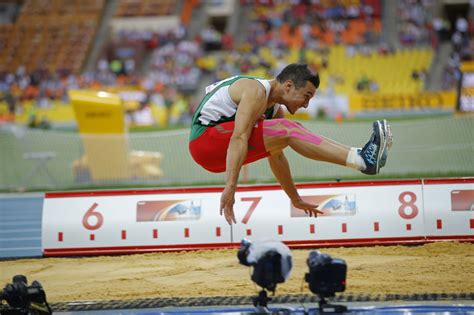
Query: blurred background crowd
{"points": [[158, 55]]}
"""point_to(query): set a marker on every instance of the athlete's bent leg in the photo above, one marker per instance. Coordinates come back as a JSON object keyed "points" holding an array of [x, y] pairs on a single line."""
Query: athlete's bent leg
{"points": [[281, 133]]}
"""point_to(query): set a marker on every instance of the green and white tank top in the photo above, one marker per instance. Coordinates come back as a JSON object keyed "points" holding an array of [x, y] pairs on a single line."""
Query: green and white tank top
{"points": [[217, 106]]}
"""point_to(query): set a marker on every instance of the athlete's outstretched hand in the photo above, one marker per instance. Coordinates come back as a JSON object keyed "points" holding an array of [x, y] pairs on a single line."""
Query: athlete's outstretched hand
{"points": [[306, 207], [227, 204]]}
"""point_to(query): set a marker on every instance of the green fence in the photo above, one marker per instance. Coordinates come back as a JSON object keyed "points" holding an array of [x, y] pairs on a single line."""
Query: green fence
{"points": [[35, 159]]}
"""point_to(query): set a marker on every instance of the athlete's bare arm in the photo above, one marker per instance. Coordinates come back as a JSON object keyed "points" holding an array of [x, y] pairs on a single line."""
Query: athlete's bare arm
{"points": [[251, 98], [281, 169]]}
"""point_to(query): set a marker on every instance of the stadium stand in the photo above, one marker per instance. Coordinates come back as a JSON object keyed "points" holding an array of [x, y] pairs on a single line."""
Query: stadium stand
{"points": [[51, 35], [159, 72], [44, 51], [145, 7]]}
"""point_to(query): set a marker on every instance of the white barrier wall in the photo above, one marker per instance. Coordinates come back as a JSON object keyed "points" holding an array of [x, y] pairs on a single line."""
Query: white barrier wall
{"points": [[448, 209], [355, 213]]}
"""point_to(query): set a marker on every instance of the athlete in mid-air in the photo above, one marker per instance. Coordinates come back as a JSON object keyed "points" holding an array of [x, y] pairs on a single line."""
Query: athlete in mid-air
{"points": [[240, 120]]}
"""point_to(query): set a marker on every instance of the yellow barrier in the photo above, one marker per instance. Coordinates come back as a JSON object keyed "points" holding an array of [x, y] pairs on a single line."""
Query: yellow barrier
{"points": [[101, 121], [467, 66], [98, 112], [445, 100]]}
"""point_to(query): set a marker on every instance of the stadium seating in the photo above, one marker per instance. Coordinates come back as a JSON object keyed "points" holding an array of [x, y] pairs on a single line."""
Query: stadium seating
{"points": [[343, 45], [391, 72], [52, 35], [130, 8]]}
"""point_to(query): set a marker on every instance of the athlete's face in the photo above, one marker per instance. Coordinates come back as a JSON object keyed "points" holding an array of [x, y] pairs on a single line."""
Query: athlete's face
{"points": [[295, 98]]}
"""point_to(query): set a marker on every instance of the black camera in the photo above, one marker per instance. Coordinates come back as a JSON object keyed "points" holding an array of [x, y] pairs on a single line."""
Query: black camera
{"points": [[267, 271], [23, 298], [326, 276], [272, 263]]}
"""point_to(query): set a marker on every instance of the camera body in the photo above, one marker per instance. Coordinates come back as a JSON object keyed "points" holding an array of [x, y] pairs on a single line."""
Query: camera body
{"points": [[23, 298], [326, 275], [267, 271], [271, 261]]}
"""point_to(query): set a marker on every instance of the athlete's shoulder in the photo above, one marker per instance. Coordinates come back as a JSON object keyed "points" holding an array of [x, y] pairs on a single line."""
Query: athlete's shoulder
{"points": [[250, 82], [250, 86]]}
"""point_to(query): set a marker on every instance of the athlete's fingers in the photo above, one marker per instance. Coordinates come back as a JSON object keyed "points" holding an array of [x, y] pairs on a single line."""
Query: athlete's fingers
{"points": [[226, 213], [316, 212], [229, 214], [233, 216]]}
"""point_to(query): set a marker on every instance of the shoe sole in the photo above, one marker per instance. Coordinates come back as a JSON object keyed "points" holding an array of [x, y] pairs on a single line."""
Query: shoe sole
{"points": [[387, 130], [383, 143]]}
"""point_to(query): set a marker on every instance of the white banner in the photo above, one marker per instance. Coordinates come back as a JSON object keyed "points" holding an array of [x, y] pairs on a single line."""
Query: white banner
{"points": [[355, 213], [449, 210]]}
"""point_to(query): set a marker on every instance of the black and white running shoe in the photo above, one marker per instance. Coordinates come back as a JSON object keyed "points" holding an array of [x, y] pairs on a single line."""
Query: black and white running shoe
{"points": [[373, 151]]}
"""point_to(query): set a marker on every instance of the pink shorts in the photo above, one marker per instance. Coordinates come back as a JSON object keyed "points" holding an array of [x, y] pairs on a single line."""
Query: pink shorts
{"points": [[210, 149]]}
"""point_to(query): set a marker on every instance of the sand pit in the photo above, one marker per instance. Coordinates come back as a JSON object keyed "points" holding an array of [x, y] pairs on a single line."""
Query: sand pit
{"points": [[444, 267]]}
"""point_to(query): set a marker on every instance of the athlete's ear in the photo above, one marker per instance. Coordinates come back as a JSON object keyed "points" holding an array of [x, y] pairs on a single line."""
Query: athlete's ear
{"points": [[288, 84]]}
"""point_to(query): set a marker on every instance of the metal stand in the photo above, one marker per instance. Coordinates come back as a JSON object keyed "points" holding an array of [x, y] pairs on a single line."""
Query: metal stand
{"points": [[261, 302]]}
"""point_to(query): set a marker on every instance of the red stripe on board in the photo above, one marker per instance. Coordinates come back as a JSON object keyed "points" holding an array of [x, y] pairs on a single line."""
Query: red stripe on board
{"points": [[408, 227], [155, 233], [434, 181], [133, 249], [376, 226], [471, 222], [60, 236], [102, 193], [311, 229], [291, 244], [344, 227], [186, 232], [124, 234], [439, 224], [218, 231], [356, 242], [92, 237], [249, 232], [280, 229]]}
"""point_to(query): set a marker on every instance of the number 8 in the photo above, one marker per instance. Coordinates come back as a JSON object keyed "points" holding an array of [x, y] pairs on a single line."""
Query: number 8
{"points": [[410, 204]]}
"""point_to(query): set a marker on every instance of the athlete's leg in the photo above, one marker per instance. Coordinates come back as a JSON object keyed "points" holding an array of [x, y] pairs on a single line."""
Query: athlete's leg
{"points": [[280, 133]]}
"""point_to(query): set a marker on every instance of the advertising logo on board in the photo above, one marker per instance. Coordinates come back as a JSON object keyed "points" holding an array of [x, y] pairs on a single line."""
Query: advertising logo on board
{"points": [[168, 210], [331, 205], [462, 200]]}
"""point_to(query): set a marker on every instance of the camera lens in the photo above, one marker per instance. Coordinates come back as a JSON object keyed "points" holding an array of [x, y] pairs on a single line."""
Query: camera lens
{"points": [[20, 278]]}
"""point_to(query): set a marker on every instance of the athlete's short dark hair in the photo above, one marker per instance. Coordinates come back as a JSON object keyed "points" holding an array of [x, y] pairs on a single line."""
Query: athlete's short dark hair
{"points": [[299, 73]]}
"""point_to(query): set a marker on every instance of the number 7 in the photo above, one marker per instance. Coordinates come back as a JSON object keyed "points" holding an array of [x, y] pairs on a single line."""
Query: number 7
{"points": [[253, 205]]}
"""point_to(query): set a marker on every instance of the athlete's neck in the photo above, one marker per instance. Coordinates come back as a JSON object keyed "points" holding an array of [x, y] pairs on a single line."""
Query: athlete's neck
{"points": [[275, 93]]}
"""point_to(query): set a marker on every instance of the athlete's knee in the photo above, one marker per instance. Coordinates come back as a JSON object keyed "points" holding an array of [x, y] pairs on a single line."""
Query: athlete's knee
{"points": [[280, 127], [288, 129], [275, 128], [281, 123]]}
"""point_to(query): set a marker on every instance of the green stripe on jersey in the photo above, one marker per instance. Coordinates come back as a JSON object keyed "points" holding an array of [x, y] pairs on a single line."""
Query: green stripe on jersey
{"points": [[197, 128]]}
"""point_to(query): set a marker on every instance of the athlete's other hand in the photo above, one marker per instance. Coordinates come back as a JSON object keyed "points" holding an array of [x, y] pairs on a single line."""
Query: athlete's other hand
{"points": [[227, 204], [308, 208]]}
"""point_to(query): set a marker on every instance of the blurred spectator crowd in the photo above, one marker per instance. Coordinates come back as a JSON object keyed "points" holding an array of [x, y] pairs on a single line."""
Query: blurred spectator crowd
{"points": [[170, 68]]}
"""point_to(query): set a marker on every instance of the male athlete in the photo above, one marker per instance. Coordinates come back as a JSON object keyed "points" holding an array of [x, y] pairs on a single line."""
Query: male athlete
{"points": [[240, 120]]}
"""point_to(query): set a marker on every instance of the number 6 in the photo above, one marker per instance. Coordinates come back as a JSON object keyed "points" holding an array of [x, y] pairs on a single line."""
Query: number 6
{"points": [[91, 213]]}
